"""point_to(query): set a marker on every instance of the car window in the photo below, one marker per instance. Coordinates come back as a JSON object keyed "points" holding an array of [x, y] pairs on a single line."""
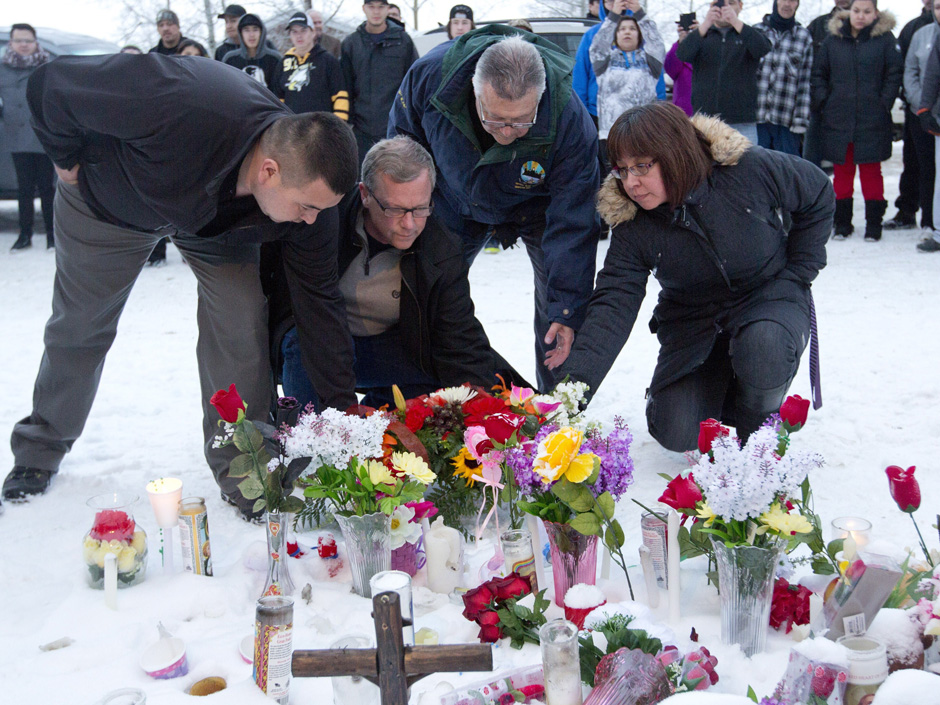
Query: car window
{"points": [[569, 41]]}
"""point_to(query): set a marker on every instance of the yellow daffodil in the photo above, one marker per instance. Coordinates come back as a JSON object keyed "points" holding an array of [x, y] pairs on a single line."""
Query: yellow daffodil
{"points": [[414, 467], [706, 514], [379, 474], [785, 523], [465, 466], [557, 456]]}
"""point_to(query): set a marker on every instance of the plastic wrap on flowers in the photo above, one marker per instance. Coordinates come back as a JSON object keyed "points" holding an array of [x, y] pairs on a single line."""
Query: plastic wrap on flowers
{"points": [[629, 677], [812, 680], [574, 558], [746, 585], [521, 686]]}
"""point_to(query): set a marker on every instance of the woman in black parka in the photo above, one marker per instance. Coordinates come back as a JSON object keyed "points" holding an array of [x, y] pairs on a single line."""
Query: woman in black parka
{"points": [[703, 210], [855, 80]]}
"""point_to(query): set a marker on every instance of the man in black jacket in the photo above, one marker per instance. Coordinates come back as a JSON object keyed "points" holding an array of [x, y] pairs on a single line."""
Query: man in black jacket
{"points": [[375, 59], [231, 14], [405, 287], [168, 27], [725, 55], [211, 169]]}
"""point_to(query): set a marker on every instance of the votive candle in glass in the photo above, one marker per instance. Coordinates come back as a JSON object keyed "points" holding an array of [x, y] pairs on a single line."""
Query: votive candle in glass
{"points": [[518, 555], [560, 663]]}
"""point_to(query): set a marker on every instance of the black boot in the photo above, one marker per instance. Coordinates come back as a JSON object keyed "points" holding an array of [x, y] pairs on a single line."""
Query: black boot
{"points": [[23, 481], [843, 219], [874, 213], [23, 242], [50, 241], [902, 221]]}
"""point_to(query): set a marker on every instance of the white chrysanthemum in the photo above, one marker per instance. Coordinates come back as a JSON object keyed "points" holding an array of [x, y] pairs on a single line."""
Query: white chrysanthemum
{"points": [[454, 395], [333, 438]]}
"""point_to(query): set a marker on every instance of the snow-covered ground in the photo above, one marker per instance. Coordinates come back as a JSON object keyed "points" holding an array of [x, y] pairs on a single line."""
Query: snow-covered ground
{"points": [[880, 335]]}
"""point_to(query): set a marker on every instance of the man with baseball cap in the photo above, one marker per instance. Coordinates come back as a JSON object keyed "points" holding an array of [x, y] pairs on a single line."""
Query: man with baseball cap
{"points": [[231, 14], [460, 21], [310, 78], [168, 27]]}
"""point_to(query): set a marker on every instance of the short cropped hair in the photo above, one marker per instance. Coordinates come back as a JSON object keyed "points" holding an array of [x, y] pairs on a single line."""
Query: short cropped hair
{"points": [[400, 158], [512, 67], [312, 146], [663, 132], [23, 26]]}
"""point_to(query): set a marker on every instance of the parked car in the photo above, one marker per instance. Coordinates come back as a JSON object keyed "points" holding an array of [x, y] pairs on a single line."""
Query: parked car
{"points": [[566, 32], [57, 43]]}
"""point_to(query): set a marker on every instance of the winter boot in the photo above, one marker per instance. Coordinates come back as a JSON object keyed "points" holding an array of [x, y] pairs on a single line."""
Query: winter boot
{"points": [[843, 219], [50, 241], [23, 242], [874, 212], [902, 221]]}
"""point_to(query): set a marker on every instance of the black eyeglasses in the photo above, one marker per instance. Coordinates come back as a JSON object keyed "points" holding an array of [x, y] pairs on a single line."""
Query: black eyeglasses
{"points": [[497, 125], [619, 172], [420, 212]]}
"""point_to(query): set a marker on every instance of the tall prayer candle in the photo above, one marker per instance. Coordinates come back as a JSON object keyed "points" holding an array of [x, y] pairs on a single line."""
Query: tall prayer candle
{"points": [[443, 547], [672, 552]]}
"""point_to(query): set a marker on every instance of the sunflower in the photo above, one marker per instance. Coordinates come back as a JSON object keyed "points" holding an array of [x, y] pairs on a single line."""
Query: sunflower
{"points": [[465, 466]]}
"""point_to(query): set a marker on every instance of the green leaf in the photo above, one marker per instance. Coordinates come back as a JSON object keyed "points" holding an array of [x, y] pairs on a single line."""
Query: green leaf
{"points": [[586, 524], [259, 505], [241, 466], [751, 694], [595, 473], [292, 504], [614, 537], [607, 505], [576, 496], [250, 488]]}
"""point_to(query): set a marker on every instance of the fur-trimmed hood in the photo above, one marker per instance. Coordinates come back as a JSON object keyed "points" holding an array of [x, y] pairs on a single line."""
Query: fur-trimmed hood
{"points": [[884, 24], [727, 147]]}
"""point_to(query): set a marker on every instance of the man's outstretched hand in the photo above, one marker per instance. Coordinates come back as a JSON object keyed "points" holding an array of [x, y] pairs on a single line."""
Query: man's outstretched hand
{"points": [[563, 337]]}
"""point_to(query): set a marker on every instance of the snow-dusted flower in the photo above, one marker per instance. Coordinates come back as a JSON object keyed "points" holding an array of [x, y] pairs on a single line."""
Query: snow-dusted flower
{"points": [[403, 529], [332, 438], [414, 467], [453, 395]]}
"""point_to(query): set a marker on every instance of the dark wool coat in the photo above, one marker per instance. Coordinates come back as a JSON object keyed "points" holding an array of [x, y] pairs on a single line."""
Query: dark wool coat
{"points": [[723, 259], [854, 84]]}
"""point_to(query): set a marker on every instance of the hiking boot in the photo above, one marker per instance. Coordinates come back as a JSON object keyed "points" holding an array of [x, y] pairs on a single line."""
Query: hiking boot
{"points": [[930, 244], [23, 481], [842, 221], [874, 212], [23, 242], [901, 221]]}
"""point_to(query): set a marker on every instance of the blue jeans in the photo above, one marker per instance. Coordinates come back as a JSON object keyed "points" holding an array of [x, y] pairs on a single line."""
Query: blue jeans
{"points": [[778, 138], [380, 361]]}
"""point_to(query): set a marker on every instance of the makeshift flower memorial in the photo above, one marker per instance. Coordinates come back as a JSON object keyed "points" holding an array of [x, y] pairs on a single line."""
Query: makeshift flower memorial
{"points": [[571, 480], [495, 606]]}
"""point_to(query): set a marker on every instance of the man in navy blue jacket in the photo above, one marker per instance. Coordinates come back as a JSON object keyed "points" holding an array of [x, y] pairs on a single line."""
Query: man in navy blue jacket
{"points": [[516, 156]]}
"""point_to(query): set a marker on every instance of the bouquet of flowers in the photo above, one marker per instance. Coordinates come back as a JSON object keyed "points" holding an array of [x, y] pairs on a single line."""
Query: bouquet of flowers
{"points": [[352, 466], [495, 606], [269, 481], [752, 494]]}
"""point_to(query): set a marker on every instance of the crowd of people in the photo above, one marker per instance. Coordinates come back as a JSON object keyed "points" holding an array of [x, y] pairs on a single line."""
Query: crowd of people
{"points": [[330, 201]]}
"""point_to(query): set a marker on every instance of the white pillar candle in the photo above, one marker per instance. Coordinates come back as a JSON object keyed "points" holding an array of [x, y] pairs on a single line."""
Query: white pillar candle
{"points": [[165, 494], [649, 576], [110, 580], [532, 524], [672, 556], [443, 547]]}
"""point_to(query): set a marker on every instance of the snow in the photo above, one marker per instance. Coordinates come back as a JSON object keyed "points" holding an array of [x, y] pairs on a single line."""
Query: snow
{"points": [[824, 651], [907, 687], [879, 336], [583, 596]]}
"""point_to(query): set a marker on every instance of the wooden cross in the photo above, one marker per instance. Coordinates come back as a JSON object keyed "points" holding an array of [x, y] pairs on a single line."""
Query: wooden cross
{"points": [[393, 667]]}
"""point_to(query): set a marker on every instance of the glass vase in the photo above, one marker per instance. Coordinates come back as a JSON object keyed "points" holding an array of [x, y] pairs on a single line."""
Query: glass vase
{"points": [[114, 531], [278, 581], [368, 547], [746, 587], [629, 677], [558, 641], [574, 558]]}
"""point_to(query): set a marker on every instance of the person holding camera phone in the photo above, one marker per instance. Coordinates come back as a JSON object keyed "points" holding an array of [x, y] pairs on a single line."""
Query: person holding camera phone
{"points": [[679, 71], [725, 55]]}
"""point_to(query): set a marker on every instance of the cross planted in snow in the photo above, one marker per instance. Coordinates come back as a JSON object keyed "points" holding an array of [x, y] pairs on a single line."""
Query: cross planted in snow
{"points": [[393, 667]]}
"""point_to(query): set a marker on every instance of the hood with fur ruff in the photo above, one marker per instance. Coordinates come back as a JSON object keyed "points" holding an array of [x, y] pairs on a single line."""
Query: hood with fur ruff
{"points": [[727, 147], [885, 22]]}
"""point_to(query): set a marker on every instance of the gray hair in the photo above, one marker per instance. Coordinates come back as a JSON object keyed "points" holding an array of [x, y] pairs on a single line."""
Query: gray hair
{"points": [[512, 67], [400, 158]]}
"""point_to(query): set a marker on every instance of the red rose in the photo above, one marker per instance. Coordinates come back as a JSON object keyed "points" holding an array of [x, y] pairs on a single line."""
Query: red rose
{"points": [[904, 488], [793, 412], [789, 605], [229, 404], [477, 601], [823, 682], [478, 408], [513, 585], [490, 634], [501, 426], [708, 431], [112, 525], [415, 414], [682, 493]]}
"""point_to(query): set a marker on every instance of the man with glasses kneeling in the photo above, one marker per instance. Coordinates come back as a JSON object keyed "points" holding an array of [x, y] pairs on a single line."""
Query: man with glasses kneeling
{"points": [[405, 288]]}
